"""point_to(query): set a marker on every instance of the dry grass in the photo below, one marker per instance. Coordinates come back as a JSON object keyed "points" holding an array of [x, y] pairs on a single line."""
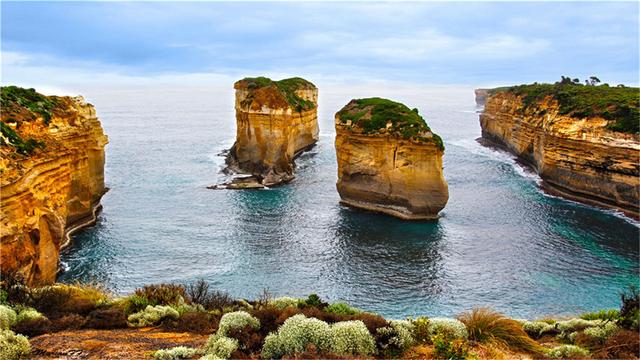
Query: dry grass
{"points": [[489, 327]]}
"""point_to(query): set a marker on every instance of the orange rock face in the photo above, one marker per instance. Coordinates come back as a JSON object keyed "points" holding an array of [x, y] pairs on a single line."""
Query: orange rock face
{"points": [[271, 132], [577, 158], [47, 194]]}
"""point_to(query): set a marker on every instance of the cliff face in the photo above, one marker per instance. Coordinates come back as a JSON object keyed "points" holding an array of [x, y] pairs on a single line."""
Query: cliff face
{"points": [[49, 191], [275, 122], [381, 170], [580, 159], [481, 96]]}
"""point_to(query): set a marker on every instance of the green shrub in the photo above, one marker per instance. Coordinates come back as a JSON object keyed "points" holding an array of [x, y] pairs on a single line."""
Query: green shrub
{"points": [[603, 332], [567, 352], [34, 102], [314, 301], [421, 332], [287, 87], [179, 352], [24, 147], [612, 315], [28, 314], [8, 317], [295, 335], [536, 329], [450, 328], [630, 308], [342, 309], [221, 346], [573, 325], [60, 299], [284, 302], [445, 348], [152, 315], [351, 338], [12, 346], [135, 303], [236, 320], [163, 294], [395, 338]]}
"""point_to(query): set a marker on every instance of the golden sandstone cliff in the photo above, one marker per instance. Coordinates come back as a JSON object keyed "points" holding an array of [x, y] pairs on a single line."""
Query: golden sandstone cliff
{"points": [[52, 170], [585, 147], [276, 120], [389, 161]]}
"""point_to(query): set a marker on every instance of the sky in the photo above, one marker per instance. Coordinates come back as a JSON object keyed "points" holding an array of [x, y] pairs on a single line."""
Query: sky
{"points": [[460, 43]]}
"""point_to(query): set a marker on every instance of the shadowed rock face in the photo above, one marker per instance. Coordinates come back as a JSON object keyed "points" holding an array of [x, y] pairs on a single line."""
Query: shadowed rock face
{"points": [[276, 120], [50, 190], [577, 158], [381, 170]]}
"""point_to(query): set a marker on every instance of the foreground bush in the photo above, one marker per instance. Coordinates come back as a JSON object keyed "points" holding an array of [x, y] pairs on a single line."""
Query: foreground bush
{"points": [[8, 317], [342, 309], [12, 346], [611, 315], [396, 338], [236, 320], [487, 326], [352, 338], [152, 315], [295, 335], [60, 299], [199, 293], [179, 352], [162, 294], [567, 352], [451, 328], [195, 322], [284, 302], [219, 346], [449, 349]]}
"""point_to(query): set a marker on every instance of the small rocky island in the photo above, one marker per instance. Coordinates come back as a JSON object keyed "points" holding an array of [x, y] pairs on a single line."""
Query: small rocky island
{"points": [[276, 121], [583, 140], [389, 161], [52, 166]]}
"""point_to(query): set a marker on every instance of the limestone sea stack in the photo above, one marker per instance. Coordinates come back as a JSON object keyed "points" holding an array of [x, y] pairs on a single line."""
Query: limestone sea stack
{"points": [[276, 121], [52, 166], [481, 96], [582, 140], [389, 161]]}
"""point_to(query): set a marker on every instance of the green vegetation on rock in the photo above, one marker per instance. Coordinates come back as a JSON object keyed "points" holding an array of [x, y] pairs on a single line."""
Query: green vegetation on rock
{"points": [[11, 138], [620, 105], [14, 97], [373, 115], [287, 87]]}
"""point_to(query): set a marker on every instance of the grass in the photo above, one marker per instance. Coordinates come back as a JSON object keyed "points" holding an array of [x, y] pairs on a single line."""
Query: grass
{"points": [[11, 138], [620, 105], [287, 88], [373, 114], [14, 97], [487, 326]]}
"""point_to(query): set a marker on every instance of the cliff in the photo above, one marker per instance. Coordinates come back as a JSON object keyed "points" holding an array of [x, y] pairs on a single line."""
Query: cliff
{"points": [[389, 161], [585, 148], [275, 121], [481, 96], [52, 168]]}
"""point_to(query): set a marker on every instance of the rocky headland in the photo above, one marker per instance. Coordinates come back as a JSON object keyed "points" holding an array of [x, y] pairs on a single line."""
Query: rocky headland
{"points": [[481, 96], [582, 140], [389, 161], [52, 168], [275, 121]]}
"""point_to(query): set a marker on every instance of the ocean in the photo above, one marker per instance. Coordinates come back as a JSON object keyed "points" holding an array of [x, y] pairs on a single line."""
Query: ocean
{"points": [[501, 242]]}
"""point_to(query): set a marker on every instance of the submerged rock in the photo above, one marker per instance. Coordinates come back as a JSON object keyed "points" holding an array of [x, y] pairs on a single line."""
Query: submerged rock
{"points": [[389, 161], [276, 121], [52, 166]]}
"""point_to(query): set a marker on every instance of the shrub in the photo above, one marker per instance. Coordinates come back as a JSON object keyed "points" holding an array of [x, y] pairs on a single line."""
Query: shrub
{"points": [[295, 335], [536, 329], [153, 315], [372, 321], [14, 288], [451, 328], [395, 338], [602, 333], [284, 302], [199, 293], [630, 308], [623, 344], [163, 294], [352, 338], [221, 346], [572, 325], [179, 352], [28, 314], [68, 322], [268, 318], [33, 326], [567, 352], [445, 348], [195, 322], [106, 319], [13, 346], [342, 309], [314, 301], [487, 326], [60, 299], [8, 317], [611, 315], [236, 320], [421, 329], [134, 303]]}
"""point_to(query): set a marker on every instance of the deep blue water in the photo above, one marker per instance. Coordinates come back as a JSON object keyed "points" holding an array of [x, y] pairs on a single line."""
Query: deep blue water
{"points": [[500, 242]]}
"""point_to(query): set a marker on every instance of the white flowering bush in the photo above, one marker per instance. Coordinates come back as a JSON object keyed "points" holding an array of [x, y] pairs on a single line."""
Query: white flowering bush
{"points": [[398, 335], [352, 338], [12, 346], [187, 308], [567, 351], [448, 327], [236, 320], [28, 314], [179, 352], [221, 346], [152, 315], [572, 325], [295, 335], [284, 302], [603, 332], [8, 317], [536, 328]]}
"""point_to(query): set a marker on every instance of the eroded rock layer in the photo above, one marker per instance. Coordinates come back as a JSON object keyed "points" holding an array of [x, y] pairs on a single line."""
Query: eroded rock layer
{"points": [[276, 120], [578, 158], [381, 170], [50, 189]]}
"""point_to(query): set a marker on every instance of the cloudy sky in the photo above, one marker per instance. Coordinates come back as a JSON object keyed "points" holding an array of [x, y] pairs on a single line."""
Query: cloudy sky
{"points": [[462, 43]]}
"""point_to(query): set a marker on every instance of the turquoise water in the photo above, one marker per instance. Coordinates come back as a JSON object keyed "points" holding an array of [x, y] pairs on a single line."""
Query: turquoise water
{"points": [[500, 242]]}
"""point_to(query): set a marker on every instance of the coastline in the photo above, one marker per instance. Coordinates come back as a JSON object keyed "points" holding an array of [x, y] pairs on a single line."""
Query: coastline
{"points": [[86, 221]]}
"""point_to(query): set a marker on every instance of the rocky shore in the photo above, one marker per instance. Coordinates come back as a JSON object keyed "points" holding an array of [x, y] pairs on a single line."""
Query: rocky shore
{"points": [[52, 178], [389, 161]]}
